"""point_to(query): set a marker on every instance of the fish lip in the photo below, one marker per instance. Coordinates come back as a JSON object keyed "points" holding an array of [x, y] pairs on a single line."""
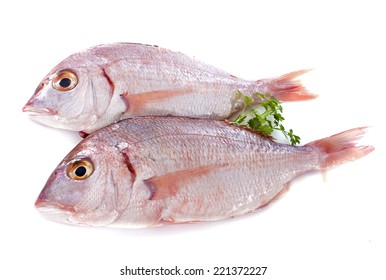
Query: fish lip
{"points": [[38, 111], [54, 211], [48, 206]]}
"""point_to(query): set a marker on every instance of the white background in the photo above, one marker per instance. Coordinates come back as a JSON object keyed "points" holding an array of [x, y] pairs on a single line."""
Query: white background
{"points": [[323, 228]]}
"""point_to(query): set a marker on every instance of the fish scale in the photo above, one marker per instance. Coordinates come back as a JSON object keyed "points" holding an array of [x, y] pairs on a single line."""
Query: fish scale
{"points": [[108, 83], [152, 171]]}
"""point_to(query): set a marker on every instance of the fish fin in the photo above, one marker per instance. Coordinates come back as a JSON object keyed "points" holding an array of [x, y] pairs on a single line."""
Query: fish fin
{"points": [[287, 88], [136, 102], [167, 185], [260, 134], [342, 147]]}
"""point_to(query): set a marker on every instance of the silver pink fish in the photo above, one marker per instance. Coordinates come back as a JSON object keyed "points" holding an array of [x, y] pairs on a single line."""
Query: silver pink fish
{"points": [[104, 84], [151, 171]]}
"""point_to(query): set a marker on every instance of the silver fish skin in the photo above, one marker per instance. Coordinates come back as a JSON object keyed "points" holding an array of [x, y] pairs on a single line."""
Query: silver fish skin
{"points": [[107, 83], [151, 171]]}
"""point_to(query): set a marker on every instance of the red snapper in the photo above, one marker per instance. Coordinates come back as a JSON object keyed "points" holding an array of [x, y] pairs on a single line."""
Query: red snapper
{"points": [[151, 171], [107, 83]]}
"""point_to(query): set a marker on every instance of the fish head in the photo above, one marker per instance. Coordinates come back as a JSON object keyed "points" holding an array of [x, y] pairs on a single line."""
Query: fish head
{"points": [[91, 186], [73, 96]]}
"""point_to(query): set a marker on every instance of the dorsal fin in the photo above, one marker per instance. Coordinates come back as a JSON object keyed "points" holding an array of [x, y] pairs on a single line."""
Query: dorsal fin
{"points": [[260, 134]]}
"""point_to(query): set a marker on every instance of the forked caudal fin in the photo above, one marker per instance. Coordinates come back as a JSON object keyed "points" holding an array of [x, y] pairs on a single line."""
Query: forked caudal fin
{"points": [[342, 147], [287, 88]]}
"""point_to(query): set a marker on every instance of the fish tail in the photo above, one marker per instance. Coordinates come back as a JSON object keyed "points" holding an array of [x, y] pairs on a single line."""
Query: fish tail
{"points": [[342, 147], [287, 87]]}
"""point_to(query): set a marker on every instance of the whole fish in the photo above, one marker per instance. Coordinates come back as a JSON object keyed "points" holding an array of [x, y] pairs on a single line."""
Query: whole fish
{"points": [[104, 84], [150, 171]]}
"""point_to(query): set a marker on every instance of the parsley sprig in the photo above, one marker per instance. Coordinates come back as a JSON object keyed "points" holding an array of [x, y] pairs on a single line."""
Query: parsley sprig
{"points": [[267, 120]]}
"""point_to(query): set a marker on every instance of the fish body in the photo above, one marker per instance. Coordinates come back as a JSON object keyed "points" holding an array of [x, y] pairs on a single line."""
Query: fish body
{"points": [[107, 83], [151, 171]]}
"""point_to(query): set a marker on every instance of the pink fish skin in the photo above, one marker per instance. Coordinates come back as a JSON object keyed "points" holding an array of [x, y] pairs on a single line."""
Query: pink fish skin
{"points": [[152, 171], [107, 83]]}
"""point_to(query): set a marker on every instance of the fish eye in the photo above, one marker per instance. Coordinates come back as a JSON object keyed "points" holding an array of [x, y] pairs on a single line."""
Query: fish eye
{"points": [[80, 169], [65, 80]]}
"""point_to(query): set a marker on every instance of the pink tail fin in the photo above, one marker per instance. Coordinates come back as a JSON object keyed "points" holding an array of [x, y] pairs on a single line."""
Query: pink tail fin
{"points": [[341, 147], [287, 88]]}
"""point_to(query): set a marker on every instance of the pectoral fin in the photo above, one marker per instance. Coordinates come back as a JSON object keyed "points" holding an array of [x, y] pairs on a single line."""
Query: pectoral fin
{"points": [[137, 101], [168, 185]]}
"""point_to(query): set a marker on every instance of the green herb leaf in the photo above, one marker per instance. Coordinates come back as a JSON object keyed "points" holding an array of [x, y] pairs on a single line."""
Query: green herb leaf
{"points": [[266, 117], [247, 100], [254, 123], [266, 129]]}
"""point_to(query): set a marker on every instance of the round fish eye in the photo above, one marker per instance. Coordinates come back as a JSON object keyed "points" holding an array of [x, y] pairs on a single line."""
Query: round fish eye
{"points": [[80, 169], [65, 80]]}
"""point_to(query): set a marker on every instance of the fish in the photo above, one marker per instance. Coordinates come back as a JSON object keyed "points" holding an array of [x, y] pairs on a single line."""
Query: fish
{"points": [[153, 171], [93, 88]]}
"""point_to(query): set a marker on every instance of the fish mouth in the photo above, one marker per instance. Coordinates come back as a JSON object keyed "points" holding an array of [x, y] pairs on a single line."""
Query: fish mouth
{"points": [[38, 111], [44, 205], [55, 211]]}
